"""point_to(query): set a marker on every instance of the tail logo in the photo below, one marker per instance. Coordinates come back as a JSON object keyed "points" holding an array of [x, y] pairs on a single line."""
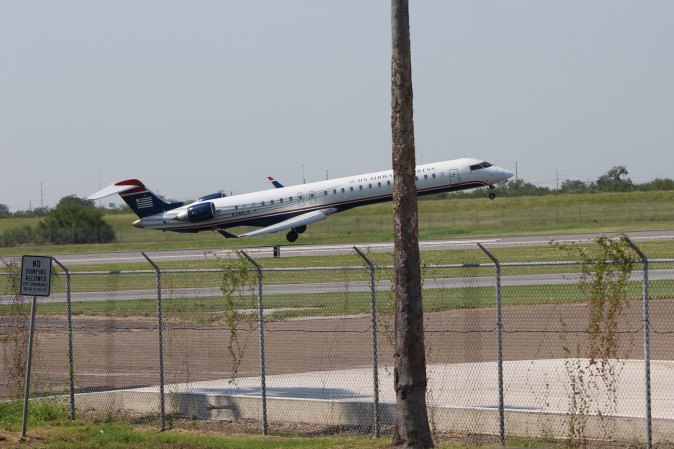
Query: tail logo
{"points": [[144, 202]]}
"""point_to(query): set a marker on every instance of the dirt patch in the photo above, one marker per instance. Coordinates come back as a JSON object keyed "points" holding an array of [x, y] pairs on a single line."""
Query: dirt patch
{"points": [[118, 352]]}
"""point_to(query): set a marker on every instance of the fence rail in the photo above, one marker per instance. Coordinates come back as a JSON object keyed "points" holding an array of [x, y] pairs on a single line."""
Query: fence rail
{"points": [[509, 346]]}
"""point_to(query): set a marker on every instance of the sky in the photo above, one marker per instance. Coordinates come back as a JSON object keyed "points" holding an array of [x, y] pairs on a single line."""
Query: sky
{"points": [[201, 96]]}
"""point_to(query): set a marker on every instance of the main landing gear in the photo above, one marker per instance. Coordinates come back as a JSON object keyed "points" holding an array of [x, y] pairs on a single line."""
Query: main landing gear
{"points": [[295, 233], [492, 195]]}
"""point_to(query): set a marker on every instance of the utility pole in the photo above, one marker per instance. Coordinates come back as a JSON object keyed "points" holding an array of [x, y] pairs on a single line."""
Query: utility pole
{"points": [[557, 176], [41, 197], [515, 170]]}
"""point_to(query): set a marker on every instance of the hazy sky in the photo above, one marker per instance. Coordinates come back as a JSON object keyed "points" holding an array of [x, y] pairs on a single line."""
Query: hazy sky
{"points": [[196, 96]]}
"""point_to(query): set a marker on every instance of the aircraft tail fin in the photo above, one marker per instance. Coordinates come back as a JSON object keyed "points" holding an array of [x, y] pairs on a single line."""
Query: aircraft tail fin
{"points": [[275, 183], [139, 198]]}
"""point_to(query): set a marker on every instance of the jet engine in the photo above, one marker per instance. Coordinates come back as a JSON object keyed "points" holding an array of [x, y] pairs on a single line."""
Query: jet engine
{"points": [[197, 212], [212, 196]]}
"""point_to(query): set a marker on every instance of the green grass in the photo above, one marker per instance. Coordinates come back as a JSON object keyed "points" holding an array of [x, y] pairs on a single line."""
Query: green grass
{"points": [[445, 218], [40, 413], [139, 276], [49, 427], [213, 309], [116, 436], [470, 255]]}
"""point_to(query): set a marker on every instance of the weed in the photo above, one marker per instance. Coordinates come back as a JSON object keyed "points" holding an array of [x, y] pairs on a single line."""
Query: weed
{"points": [[604, 280], [237, 283], [15, 354]]}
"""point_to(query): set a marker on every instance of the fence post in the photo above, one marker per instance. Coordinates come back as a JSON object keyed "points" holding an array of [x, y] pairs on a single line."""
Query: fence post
{"points": [[499, 327], [160, 326], [71, 359], [260, 312], [375, 367], [647, 346], [29, 360]]}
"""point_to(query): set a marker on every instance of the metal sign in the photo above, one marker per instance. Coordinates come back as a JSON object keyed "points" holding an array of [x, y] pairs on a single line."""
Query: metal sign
{"points": [[36, 275]]}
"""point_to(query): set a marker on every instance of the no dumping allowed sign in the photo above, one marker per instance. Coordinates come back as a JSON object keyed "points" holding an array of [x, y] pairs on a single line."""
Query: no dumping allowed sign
{"points": [[36, 275]]}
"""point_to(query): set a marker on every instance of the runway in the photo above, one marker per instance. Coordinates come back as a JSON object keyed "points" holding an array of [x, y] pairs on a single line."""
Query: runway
{"points": [[341, 286], [293, 250]]}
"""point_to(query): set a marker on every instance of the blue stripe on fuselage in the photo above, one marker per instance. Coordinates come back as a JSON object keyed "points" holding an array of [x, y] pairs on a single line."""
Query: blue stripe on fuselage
{"points": [[273, 218]]}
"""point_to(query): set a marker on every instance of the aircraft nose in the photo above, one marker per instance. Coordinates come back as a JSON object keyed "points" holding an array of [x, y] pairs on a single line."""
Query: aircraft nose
{"points": [[507, 174]]}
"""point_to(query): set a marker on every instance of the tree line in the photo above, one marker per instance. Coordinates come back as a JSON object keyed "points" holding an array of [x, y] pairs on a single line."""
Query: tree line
{"points": [[73, 221], [615, 180]]}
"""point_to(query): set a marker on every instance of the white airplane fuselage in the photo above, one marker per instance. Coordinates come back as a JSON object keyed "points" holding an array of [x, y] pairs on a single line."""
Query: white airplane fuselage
{"points": [[269, 207]]}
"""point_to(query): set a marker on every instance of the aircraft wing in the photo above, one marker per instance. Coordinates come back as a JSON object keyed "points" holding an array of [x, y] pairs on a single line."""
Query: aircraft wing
{"points": [[304, 219]]}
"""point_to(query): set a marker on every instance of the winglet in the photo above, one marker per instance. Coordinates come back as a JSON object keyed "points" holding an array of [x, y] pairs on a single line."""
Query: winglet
{"points": [[275, 183]]}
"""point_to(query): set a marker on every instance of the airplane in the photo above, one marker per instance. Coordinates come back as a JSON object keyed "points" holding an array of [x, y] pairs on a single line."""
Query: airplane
{"points": [[292, 208]]}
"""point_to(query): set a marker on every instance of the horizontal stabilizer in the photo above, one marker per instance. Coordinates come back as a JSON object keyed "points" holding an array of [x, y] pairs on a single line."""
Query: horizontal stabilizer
{"points": [[295, 222], [113, 189]]}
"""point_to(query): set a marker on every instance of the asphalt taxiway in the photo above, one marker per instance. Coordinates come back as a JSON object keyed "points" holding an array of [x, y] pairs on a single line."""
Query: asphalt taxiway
{"points": [[295, 250]]}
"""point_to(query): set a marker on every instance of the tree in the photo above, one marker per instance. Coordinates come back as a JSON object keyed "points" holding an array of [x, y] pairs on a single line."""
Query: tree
{"points": [[658, 184], [37, 212], [75, 220], [4, 211], [411, 428], [519, 187], [615, 180]]}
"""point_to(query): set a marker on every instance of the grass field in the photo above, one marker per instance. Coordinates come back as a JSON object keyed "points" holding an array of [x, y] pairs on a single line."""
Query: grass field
{"points": [[214, 308], [465, 255], [451, 217], [183, 306]]}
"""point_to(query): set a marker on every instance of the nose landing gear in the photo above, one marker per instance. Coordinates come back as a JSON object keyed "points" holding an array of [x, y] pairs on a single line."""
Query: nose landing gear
{"points": [[492, 195]]}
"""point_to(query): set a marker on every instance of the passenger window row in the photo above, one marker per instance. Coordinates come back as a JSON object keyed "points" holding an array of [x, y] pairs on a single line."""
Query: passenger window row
{"points": [[343, 190]]}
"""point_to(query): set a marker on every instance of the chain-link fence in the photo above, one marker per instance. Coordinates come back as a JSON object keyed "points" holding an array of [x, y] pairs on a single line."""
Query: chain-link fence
{"points": [[512, 348]]}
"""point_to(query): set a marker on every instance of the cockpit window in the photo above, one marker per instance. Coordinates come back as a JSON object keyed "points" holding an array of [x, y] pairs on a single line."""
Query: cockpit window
{"points": [[480, 166]]}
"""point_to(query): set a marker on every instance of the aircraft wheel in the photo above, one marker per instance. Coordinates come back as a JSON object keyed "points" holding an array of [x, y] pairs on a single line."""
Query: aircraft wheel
{"points": [[492, 195], [292, 236], [301, 229]]}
